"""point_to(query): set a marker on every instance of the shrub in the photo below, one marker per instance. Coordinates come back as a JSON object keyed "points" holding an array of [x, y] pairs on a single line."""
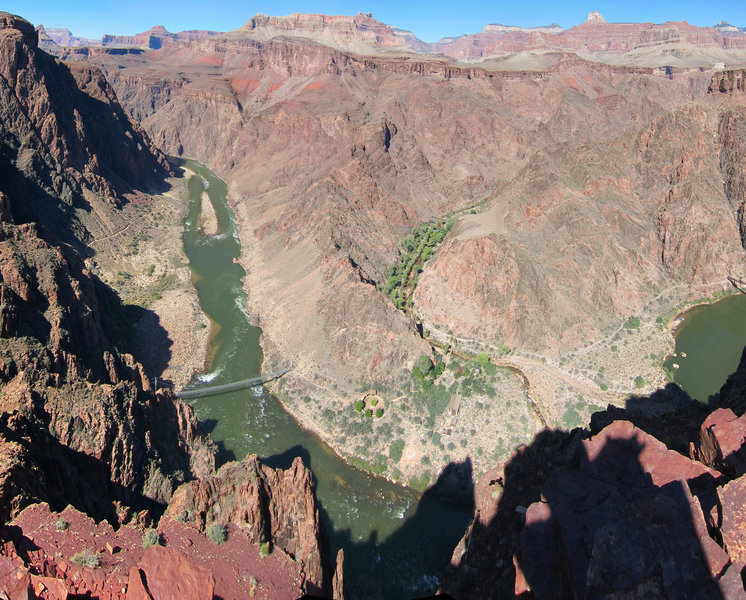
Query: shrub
{"points": [[368, 412], [632, 323], [639, 382], [150, 270], [482, 359], [359, 405], [62, 524], [379, 413], [86, 558], [264, 550], [216, 533], [373, 401], [396, 449], [150, 538]]}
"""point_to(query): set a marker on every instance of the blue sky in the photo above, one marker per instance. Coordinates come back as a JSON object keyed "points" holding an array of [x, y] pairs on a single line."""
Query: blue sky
{"points": [[428, 20]]}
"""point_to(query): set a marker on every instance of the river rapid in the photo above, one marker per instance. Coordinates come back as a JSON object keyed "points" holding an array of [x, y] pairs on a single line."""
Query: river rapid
{"points": [[396, 542]]}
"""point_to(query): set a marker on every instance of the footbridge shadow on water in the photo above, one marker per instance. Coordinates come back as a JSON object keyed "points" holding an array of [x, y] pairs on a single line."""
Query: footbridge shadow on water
{"points": [[214, 390]]}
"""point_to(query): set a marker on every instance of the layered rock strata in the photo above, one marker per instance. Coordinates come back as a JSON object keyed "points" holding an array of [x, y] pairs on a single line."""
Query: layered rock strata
{"points": [[332, 158]]}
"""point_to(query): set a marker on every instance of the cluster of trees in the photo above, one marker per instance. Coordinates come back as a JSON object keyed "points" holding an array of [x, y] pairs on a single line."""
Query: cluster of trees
{"points": [[417, 247], [426, 372]]}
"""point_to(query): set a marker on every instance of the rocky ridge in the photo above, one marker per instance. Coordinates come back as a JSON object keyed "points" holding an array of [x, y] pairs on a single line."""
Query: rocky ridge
{"points": [[79, 421]]}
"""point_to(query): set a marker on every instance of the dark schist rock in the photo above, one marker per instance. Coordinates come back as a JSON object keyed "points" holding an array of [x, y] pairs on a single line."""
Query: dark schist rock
{"points": [[62, 127], [721, 444], [623, 521]]}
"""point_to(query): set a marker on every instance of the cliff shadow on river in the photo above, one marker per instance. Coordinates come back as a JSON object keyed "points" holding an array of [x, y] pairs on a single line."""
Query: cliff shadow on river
{"points": [[393, 567], [621, 509]]}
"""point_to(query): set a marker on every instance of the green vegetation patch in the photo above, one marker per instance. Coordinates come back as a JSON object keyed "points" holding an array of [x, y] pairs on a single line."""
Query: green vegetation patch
{"points": [[417, 248], [87, 558], [216, 533], [150, 538], [632, 323]]}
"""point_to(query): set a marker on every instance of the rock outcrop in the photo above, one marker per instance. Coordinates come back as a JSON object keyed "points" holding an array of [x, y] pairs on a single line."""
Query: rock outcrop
{"points": [[64, 119], [647, 192], [732, 80], [613, 514], [631, 517], [271, 506]]}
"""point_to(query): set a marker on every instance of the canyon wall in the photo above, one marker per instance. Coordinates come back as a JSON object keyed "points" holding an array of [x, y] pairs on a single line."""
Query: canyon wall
{"points": [[331, 158], [81, 427]]}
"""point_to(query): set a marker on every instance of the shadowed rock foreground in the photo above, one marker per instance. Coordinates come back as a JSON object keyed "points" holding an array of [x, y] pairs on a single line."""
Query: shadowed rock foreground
{"points": [[615, 512]]}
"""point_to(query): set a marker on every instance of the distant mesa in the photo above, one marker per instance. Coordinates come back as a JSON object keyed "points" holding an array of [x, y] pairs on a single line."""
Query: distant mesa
{"points": [[362, 34], [500, 28], [594, 18]]}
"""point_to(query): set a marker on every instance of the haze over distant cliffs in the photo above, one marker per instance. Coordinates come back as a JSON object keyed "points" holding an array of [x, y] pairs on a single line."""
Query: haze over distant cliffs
{"points": [[364, 34]]}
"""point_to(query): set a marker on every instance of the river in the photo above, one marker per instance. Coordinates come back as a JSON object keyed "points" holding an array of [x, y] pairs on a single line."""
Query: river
{"points": [[709, 343], [396, 543]]}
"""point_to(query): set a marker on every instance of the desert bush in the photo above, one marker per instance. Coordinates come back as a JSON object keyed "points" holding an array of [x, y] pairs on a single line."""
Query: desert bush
{"points": [[217, 534], [86, 558], [150, 538]]}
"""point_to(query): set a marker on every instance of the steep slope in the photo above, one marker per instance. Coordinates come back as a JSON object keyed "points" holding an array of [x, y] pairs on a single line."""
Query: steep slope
{"points": [[77, 412], [542, 277], [332, 158], [80, 423]]}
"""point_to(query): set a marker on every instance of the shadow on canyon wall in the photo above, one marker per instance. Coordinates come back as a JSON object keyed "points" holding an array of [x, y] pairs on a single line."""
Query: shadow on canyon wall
{"points": [[393, 567], [602, 523], [601, 527]]}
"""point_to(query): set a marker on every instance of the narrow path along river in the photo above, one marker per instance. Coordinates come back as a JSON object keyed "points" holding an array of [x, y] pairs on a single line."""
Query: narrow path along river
{"points": [[396, 543]]}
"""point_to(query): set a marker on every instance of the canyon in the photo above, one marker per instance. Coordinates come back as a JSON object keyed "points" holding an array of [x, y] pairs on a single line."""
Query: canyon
{"points": [[583, 186], [85, 434], [334, 152]]}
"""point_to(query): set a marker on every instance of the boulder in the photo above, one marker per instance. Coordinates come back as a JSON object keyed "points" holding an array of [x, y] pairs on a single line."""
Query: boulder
{"points": [[171, 575], [733, 529], [622, 523], [721, 442]]}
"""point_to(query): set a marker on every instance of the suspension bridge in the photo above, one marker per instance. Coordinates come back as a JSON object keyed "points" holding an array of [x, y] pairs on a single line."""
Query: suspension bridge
{"points": [[236, 385]]}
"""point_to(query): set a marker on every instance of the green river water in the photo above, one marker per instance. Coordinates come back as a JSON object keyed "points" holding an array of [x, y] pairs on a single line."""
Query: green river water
{"points": [[712, 337], [396, 543]]}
